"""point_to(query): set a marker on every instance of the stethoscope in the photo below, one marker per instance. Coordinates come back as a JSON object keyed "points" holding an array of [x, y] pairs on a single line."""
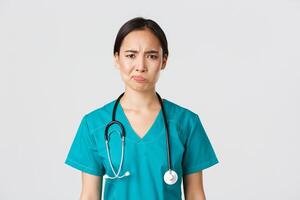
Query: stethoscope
{"points": [[170, 176]]}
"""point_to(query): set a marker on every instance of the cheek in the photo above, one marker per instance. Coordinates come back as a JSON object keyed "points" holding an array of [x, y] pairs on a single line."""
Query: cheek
{"points": [[125, 72], [156, 70], [155, 73], [125, 68]]}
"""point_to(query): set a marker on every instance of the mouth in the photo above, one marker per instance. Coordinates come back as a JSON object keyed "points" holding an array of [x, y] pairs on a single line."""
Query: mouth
{"points": [[139, 78]]}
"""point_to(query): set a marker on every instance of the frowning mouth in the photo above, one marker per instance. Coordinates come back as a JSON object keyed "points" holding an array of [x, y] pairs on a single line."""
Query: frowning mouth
{"points": [[139, 78]]}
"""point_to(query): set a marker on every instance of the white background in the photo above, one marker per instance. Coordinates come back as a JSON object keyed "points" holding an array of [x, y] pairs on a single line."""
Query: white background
{"points": [[235, 63]]}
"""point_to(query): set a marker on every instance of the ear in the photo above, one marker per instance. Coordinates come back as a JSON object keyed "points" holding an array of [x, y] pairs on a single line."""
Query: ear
{"points": [[116, 59], [164, 62]]}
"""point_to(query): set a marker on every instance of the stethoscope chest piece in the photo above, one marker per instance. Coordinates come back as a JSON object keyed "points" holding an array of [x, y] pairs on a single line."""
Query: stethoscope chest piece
{"points": [[170, 177]]}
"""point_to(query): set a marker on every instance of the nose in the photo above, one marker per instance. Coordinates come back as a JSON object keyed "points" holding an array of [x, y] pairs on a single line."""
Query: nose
{"points": [[140, 64]]}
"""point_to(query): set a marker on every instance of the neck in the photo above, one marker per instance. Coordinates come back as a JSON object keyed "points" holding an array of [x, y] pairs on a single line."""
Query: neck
{"points": [[136, 100]]}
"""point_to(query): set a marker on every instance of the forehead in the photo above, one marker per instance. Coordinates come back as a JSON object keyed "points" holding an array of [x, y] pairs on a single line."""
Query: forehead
{"points": [[141, 39]]}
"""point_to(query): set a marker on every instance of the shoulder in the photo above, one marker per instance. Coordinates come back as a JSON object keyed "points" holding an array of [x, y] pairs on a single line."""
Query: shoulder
{"points": [[100, 116], [183, 118], [175, 108], [179, 113]]}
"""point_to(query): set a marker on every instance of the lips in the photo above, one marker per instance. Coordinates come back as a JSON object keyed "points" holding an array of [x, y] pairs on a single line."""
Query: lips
{"points": [[138, 78]]}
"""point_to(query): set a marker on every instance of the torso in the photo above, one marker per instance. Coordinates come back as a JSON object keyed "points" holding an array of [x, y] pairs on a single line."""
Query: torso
{"points": [[145, 158]]}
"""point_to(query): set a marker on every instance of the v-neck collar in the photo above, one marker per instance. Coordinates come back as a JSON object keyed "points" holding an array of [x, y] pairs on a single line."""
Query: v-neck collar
{"points": [[151, 134]]}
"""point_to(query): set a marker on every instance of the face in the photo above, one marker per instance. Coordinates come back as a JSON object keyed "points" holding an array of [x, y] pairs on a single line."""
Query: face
{"points": [[140, 60]]}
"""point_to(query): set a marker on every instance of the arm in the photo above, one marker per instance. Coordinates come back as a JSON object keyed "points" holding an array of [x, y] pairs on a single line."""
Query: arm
{"points": [[91, 187], [193, 186]]}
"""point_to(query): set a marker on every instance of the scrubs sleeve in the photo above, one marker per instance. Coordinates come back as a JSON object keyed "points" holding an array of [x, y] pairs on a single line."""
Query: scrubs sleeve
{"points": [[199, 153], [83, 154]]}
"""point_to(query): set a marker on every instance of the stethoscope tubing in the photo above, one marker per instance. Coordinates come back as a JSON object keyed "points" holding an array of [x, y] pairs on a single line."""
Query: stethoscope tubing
{"points": [[167, 130], [114, 121]]}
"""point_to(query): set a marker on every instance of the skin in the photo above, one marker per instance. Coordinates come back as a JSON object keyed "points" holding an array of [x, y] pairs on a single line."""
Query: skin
{"points": [[141, 55]]}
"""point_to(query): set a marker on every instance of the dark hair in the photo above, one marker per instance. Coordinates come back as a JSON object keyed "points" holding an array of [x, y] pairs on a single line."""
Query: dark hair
{"points": [[140, 23]]}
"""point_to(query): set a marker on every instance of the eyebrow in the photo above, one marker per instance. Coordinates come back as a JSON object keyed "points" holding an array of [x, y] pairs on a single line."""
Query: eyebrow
{"points": [[147, 52]]}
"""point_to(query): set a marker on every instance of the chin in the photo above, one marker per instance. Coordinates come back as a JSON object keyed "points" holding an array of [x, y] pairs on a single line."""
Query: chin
{"points": [[139, 87]]}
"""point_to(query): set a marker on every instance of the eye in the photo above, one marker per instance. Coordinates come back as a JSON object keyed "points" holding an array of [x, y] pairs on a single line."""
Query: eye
{"points": [[153, 56], [130, 56]]}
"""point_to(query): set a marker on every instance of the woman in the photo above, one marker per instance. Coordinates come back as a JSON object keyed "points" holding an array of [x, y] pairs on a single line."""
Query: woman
{"points": [[164, 143]]}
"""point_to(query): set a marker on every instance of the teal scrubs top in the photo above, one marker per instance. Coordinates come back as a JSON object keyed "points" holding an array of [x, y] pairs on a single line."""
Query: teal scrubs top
{"points": [[145, 158]]}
